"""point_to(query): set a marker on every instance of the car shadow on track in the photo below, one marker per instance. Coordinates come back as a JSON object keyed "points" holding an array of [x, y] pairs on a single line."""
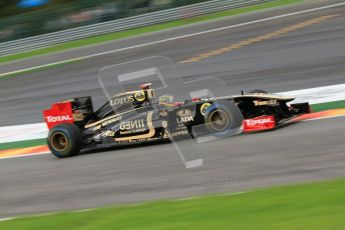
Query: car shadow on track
{"points": [[119, 147]]}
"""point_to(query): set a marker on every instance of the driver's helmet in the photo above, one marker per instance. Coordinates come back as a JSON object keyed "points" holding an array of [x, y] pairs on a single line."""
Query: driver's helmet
{"points": [[167, 100]]}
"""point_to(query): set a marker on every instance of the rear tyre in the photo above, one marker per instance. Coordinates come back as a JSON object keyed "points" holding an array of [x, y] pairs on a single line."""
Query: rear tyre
{"points": [[65, 140], [223, 118], [257, 91]]}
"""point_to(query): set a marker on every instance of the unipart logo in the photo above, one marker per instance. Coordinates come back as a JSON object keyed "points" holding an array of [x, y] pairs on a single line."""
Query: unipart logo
{"points": [[58, 118], [258, 121]]}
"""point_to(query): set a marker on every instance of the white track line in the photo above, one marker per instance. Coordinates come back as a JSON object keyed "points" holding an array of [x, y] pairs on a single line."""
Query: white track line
{"points": [[234, 193], [201, 197], [188, 198], [136, 204], [133, 205], [5, 219], [83, 210], [318, 95], [27, 132], [178, 37]]}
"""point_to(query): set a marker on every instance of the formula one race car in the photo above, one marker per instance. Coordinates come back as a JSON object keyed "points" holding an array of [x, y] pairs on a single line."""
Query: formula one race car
{"points": [[135, 117]]}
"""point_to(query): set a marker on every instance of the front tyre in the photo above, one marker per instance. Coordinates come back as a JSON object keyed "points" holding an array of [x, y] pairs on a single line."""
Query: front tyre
{"points": [[65, 140], [223, 118]]}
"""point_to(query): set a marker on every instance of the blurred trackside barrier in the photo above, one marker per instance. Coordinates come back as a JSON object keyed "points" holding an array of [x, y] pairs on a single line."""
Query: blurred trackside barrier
{"points": [[56, 15], [55, 38]]}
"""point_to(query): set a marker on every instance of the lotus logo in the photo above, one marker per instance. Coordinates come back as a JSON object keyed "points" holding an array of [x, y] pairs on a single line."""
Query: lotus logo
{"points": [[204, 108], [139, 96], [121, 100]]}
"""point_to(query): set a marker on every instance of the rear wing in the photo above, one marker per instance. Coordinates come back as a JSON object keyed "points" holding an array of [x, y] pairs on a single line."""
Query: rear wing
{"points": [[75, 111]]}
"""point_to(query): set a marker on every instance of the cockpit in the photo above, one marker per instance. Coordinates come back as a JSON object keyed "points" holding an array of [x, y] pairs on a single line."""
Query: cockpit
{"points": [[127, 101]]}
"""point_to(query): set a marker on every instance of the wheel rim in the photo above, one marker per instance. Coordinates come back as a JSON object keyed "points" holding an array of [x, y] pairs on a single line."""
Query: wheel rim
{"points": [[219, 120], [59, 141]]}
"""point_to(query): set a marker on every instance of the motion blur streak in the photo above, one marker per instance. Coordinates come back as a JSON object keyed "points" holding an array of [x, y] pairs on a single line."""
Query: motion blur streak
{"points": [[260, 38]]}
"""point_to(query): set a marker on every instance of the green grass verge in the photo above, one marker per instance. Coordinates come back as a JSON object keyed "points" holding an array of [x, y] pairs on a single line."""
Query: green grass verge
{"points": [[138, 31], [328, 105], [23, 144], [316, 206]]}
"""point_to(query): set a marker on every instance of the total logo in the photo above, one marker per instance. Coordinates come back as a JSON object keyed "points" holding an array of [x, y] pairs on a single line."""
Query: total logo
{"points": [[58, 118], [252, 122]]}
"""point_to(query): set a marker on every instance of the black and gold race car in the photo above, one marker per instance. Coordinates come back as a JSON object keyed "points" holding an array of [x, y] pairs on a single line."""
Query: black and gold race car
{"points": [[135, 117]]}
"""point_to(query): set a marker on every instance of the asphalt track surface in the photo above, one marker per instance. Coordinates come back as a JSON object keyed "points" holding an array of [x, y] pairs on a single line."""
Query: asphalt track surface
{"points": [[309, 57]]}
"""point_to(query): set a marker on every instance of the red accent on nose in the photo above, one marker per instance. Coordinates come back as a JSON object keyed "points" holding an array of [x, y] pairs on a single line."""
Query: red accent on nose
{"points": [[259, 124]]}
